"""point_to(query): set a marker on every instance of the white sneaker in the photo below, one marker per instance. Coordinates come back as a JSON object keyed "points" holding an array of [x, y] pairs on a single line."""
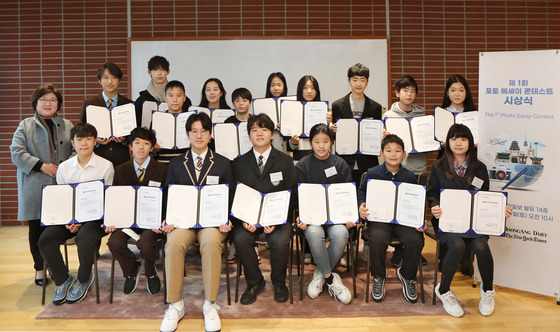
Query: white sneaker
{"points": [[339, 291], [315, 287], [173, 315], [211, 318], [487, 304], [343, 261], [450, 303]]}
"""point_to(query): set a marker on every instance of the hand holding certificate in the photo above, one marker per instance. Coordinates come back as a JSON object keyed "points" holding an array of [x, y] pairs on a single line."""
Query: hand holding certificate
{"points": [[259, 209]]}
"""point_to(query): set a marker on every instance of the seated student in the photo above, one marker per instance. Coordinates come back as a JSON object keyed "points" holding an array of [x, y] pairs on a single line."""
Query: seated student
{"points": [[324, 167], [213, 95], [84, 166], [199, 166], [379, 234], [459, 168], [267, 170], [175, 98], [113, 149], [158, 69], [358, 106], [140, 171], [242, 100]]}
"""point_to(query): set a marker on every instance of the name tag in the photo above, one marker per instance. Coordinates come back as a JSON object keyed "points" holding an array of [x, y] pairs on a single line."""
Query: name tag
{"points": [[477, 183], [331, 171], [153, 184], [276, 177], [212, 179]]}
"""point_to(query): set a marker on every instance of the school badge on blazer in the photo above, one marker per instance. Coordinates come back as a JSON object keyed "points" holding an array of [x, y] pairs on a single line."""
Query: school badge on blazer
{"points": [[276, 178]]}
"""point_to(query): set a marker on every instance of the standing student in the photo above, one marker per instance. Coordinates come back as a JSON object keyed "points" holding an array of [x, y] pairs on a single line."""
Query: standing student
{"points": [[358, 106], [39, 145], [323, 167], [242, 100], [213, 95], [380, 234], [84, 166], [199, 166], [459, 168], [109, 76], [267, 170], [276, 86], [141, 170]]}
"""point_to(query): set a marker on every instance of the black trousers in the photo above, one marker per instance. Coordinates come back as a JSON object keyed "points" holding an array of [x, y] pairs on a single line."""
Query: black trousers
{"points": [[118, 244], [35, 231]]}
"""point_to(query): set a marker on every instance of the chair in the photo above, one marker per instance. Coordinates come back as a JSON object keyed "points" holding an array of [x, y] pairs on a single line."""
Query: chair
{"points": [[70, 242]]}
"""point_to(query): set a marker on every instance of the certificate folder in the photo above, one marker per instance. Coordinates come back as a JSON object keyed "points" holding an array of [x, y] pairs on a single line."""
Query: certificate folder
{"points": [[327, 204], [445, 119], [170, 129], [258, 209], [417, 133], [217, 115], [231, 139], [476, 212], [197, 206], [115, 122], [396, 202], [133, 206], [358, 136], [297, 117], [65, 204], [268, 106], [148, 107]]}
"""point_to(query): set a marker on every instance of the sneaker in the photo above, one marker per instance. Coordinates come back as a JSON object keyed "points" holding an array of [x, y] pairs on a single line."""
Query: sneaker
{"points": [[154, 285], [315, 287], [378, 289], [79, 290], [173, 315], [450, 303], [258, 255], [211, 318], [343, 261], [61, 292], [231, 254], [307, 259], [132, 280], [408, 287], [487, 304], [339, 291]]}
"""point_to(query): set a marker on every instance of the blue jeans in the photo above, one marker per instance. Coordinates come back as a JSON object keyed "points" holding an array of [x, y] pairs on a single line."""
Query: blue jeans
{"points": [[326, 258]]}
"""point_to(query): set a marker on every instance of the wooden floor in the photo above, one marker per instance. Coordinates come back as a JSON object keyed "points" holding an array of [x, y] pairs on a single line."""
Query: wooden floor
{"points": [[20, 302]]}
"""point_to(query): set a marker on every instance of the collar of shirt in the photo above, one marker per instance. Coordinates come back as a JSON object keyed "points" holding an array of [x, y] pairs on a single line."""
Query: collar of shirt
{"points": [[91, 162], [202, 155], [144, 165], [464, 164], [387, 172], [265, 155], [107, 98], [450, 108]]}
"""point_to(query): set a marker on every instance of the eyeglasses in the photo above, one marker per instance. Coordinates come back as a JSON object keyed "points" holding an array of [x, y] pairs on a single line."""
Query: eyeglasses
{"points": [[46, 100]]}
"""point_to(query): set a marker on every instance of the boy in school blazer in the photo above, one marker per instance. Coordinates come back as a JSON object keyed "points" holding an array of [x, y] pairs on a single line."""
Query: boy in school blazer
{"points": [[186, 169], [112, 149], [141, 170], [278, 173]]}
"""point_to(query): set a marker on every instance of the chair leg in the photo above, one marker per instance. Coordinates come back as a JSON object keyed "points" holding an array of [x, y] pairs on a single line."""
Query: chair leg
{"points": [[238, 276], [302, 262], [368, 275], [357, 243], [66, 257], [290, 281], [421, 278], [95, 270], [436, 268], [164, 273], [351, 263], [44, 282], [298, 257], [112, 283], [225, 254]]}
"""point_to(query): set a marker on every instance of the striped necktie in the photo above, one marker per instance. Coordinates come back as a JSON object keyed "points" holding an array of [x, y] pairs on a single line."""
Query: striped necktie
{"points": [[261, 163], [198, 163], [142, 173], [461, 171], [110, 103]]}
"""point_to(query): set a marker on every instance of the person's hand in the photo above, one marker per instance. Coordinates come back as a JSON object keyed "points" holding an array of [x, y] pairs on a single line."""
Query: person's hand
{"points": [[363, 211], [294, 140], [334, 127], [329, 116], [73, 228], [103, 141], [269, 229], [509, 211], [157, 230], [385, 133], [224, 228], [109, 229], [350, 224], [249, 227], [301, 225], [278, 126], [49, 169], [119, 139], [167, 228], [436, 211]]}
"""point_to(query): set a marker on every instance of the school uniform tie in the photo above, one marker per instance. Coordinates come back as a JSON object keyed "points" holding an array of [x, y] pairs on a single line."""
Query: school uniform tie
{"points": [[198, 165], [261, 163], [110, 103], [461, 171], [141, 174]]}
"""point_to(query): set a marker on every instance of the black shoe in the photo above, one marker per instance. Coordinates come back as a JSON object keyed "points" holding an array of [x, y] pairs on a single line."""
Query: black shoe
{"points": [[250, 294], [281, 293], [132, 280], [154, 284]]}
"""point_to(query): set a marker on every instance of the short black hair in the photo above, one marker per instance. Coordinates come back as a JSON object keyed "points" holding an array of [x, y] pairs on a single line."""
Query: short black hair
{"points": [[83, 129], [157, 62], [243, 93], [204, 120], [142, 133], [321, 128], [405, 82], [112, 68], [174, 84], [43, 90], [261, 120], [391, 138], [358, 70]]}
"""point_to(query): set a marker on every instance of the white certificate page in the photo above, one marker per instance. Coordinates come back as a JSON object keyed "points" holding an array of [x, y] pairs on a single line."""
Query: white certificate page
{"points": [[312, 202], [164, 126], [214, 205], [443, 120], [89, 201], [423, 133], [314, 112], [147, 108], [124, 119], [220, 115], [401, 128], [148, 207], [100, 118], [347, 136], [371, 132], [411, 205], [246, 204], [243, 135], [181, 138], [455, 207], [291, 118], [226, 140], [120, 206], [380, 200], [198, 109], [489, 213], [56, 205], [469, 119], [275, 208], [266, 106], [182, 206], [343, 203]]}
